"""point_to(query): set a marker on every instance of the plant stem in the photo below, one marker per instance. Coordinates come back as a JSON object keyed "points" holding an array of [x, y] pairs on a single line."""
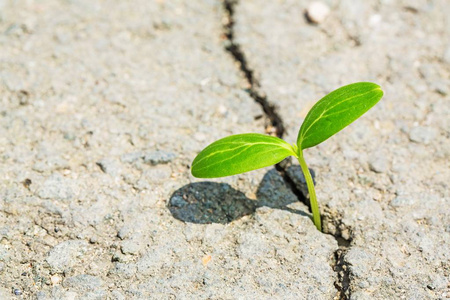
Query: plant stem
{"points": [[311, 191]]}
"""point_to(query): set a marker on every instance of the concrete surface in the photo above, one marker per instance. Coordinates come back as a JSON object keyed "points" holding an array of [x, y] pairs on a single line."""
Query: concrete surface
{"points": [[106, 103], [382, 183]]}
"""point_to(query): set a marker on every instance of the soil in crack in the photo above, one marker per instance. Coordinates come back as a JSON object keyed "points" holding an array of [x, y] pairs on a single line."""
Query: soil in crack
{"points": [[342, 270]]}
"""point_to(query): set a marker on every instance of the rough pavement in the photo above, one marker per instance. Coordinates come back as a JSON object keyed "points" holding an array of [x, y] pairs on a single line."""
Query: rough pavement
{"points": [[382, 183], [105, 105]]}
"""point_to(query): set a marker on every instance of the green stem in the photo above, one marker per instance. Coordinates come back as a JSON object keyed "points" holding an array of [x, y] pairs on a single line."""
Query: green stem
{"points": [[312, 192]]}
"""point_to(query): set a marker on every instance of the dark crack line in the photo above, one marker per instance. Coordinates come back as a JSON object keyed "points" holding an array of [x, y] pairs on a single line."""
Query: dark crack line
{"points": [[269, 109], [341, 267], [342, 270], [236, 52]]}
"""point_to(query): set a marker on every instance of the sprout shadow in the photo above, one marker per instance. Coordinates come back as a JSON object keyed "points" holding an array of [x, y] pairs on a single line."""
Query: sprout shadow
{"points": [[210, 202]]}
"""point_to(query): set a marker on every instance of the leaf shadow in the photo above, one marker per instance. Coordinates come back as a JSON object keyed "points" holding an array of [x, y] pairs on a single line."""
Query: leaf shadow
{"points": [[211, 202]]}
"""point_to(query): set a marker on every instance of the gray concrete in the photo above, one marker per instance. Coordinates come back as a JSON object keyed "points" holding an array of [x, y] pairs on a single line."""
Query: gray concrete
{"points": [[104, 107], [382, 183]]}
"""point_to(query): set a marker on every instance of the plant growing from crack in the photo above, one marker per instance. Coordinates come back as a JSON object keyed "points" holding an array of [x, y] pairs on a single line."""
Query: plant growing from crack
{"points": [[241, 153]]}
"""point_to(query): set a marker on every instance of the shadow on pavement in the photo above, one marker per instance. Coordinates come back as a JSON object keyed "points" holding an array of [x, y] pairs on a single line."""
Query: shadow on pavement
{"points": [[210, 202]]}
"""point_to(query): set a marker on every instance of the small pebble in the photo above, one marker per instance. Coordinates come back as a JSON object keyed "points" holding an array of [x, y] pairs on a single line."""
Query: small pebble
{"points": [[402, 201], [26, 183], [423, 135], [158, 157], [23, 97], [17, 292], [222, 110], [441, 87], [124, 232], [132, 157], [55, 279], [206, 259], [317, 12], [109, 166], [130, 247], [379, 164]]}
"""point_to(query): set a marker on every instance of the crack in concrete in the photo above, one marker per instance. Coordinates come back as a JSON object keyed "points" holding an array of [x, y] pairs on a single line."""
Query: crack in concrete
{"points": [[236, 52], [343, 273], [334, 226], [276, 127]]}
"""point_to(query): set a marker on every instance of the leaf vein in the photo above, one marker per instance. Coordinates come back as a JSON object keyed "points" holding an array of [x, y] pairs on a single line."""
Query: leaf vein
{"points": [[231, 157], [241, 145], [322, 115], [222, 161]]}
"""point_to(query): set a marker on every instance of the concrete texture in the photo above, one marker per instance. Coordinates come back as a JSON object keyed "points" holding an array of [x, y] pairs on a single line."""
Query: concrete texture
{"points": [[106, 103], [104, 106], [382, 183]]}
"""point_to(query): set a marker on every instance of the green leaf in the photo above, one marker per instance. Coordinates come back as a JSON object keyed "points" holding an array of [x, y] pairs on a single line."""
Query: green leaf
{"points": [[337, 110], [240, 153]]}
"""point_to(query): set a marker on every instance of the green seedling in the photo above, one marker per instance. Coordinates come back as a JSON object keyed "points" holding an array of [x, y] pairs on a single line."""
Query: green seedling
{"points": [[250, 151]]}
